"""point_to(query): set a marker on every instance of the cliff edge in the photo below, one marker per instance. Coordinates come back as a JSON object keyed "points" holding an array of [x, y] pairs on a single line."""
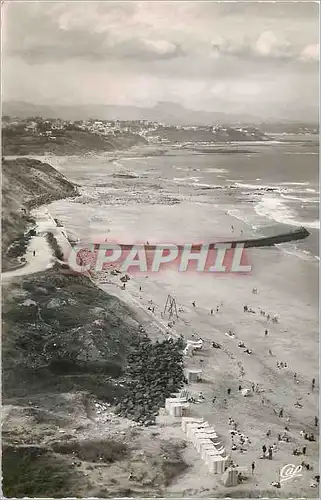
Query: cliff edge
{"points": [[26, 183]]}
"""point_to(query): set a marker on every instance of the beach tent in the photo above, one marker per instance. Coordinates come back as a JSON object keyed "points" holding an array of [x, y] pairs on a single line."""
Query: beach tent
{"points": [[193, 375], [192, 427], [200, 434], [191, 420], [207, 452], [217, 464], [208, 449], [201, 442], [169, 401], [177, 409], [230, 477], [203, 433], [246, 392]]}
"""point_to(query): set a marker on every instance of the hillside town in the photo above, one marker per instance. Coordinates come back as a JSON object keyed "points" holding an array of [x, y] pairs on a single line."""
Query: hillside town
{"points": [[152, 132]]}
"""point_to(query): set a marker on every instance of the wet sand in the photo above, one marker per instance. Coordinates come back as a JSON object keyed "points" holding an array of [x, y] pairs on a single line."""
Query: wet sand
{"points": [[287, 287], [292, 340]]}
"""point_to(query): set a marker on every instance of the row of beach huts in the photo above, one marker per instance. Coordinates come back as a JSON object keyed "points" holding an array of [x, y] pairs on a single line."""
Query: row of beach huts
{"points": [[202, 435]]}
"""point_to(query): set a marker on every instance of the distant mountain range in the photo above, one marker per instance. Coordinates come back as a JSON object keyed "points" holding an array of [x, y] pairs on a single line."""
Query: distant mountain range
{"points": [[166, 112]]}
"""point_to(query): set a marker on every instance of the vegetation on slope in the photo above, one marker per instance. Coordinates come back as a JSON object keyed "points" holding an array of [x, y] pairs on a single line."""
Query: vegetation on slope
{"points": [[18, 141], [33, 472], [27, 183], [61, 331]]}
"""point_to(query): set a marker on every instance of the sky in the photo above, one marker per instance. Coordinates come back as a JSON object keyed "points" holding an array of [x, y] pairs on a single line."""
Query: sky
{"points": [[253, 58]]}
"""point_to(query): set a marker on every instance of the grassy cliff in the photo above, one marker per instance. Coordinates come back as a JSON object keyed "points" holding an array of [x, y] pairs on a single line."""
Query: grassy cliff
{"points": [[67, 142], [66, 350], [27, 183]]}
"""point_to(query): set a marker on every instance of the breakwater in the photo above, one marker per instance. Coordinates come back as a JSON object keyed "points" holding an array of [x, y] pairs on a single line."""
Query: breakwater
{"points": [[263, 241]]}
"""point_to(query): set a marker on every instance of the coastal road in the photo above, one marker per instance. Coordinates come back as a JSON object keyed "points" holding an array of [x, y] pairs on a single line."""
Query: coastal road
{"points": [[43, 258]]}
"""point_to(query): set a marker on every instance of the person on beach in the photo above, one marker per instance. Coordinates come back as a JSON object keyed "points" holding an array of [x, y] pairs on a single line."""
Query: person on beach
{"points": [[217, 309], [268, 434], [270, 453], [232, 229], [228, 391], [304, 450], [294, 376], [316, 421], [245, 308], [270, 352], [34, 253], [281, 413], [194, 305], [266, 333], [212, 312], [253, 467], [140, 288], [264, 450], [313, 383], [240, 387]]}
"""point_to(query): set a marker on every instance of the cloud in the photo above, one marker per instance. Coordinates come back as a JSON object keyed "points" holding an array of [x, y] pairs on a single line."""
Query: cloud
{"points": [[58, 32], [267, 47], [208, 55], [311, 53]]}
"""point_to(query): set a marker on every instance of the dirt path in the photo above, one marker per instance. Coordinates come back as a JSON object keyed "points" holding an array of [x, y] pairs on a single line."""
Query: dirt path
{"points": [[39, 255]]}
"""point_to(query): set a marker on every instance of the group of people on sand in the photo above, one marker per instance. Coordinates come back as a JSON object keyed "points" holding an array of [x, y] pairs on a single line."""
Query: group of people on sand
{"points": [[212, 310], [269, 451], [243, 440], [268, 317], [281, 364], [236, 433]]}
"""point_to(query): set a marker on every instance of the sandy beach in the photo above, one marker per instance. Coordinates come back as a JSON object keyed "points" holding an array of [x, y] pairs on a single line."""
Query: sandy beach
{"points": [[290, 341], [286, 287]]}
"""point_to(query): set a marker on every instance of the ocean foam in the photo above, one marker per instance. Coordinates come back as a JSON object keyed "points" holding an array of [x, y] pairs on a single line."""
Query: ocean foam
{"points": [[274, 208], [215, 170], [297, 198], [292, 249], [254, 186], [183, 179], [294, 183], [240, 215]]}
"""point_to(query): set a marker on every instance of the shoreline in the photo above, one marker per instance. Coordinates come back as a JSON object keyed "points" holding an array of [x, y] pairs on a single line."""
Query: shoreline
{"points": [[228, 366], [278, 278]]}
